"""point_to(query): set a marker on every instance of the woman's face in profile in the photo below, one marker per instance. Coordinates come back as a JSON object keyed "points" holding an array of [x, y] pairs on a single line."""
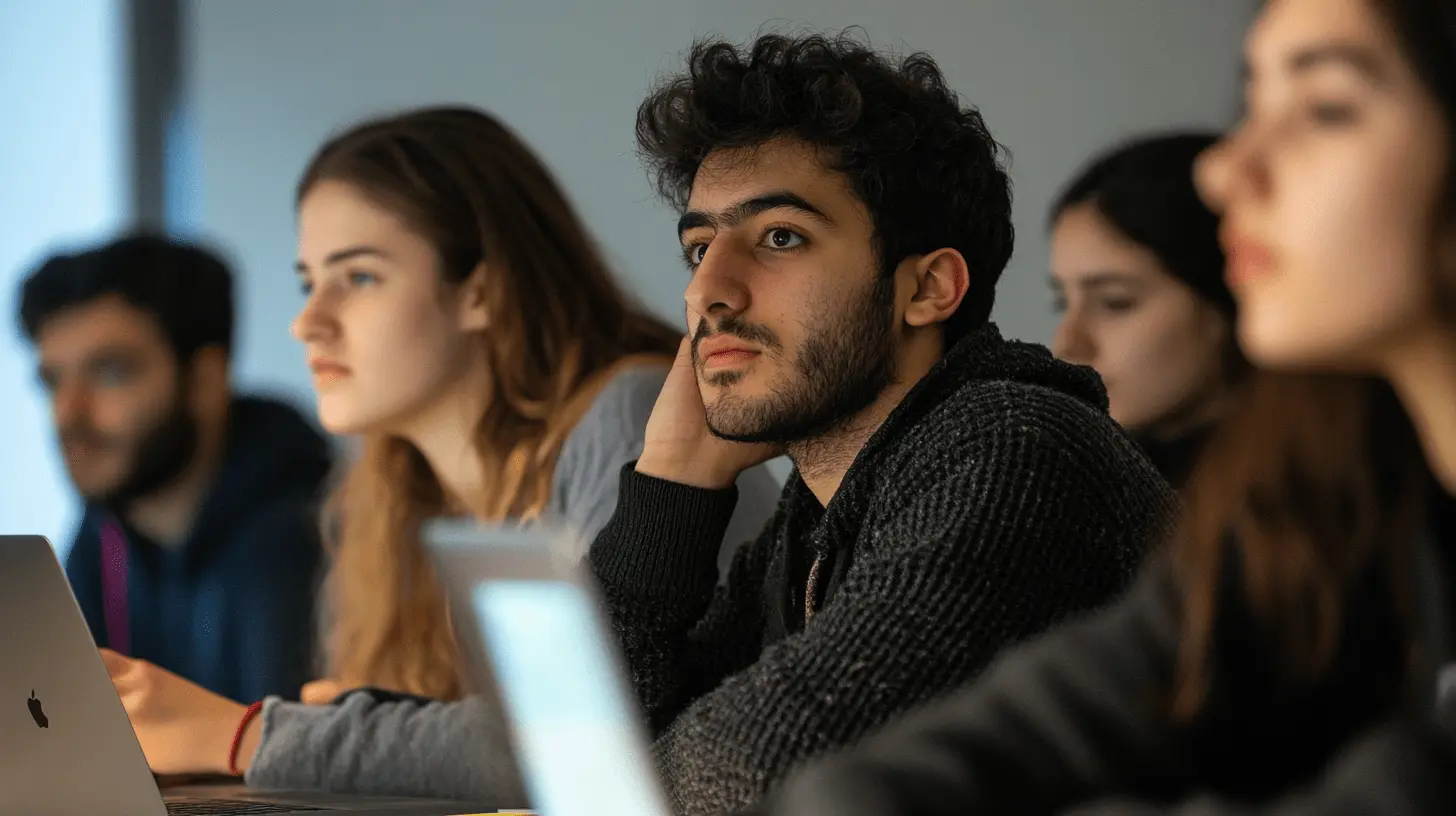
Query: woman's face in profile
{"points": [[1328, 189], [1158, 346], [385, 338]]}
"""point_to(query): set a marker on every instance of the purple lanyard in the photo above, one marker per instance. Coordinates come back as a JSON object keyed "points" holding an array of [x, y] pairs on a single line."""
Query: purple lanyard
{"points": [[113, 587]]}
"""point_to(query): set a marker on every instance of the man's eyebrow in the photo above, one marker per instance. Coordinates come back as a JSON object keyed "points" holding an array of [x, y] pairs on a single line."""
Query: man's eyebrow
{"points": [[741, 211]]}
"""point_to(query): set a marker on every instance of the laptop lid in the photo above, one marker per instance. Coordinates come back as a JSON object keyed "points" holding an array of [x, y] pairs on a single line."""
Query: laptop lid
{"points": [[532, 629], [66, 745]]}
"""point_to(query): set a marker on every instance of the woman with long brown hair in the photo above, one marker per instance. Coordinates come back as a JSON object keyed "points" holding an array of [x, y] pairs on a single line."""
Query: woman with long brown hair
{"points": [[460, 320], [1292, 653]]}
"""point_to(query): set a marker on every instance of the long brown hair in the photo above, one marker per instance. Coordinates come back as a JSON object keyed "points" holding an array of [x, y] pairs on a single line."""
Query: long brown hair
{"points": [[559, 327], [1317, 480], [1313, 478]]}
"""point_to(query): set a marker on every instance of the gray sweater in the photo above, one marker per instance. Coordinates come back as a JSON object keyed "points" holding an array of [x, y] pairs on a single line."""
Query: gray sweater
{"points": [[371, 743]]}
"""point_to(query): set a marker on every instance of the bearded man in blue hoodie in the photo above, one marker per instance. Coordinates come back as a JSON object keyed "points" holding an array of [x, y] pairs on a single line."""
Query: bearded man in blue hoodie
{"points": [[199, 548]]}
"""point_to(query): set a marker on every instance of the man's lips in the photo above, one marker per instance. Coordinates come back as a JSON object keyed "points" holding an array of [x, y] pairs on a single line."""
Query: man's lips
{"points": [[724, 351], [724, 359]]}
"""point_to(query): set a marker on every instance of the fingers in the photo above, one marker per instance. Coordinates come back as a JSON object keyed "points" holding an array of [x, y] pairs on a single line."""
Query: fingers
{"points": [[684, 357], [116, 664], [124, 677], [320, 692], [692, 319]]}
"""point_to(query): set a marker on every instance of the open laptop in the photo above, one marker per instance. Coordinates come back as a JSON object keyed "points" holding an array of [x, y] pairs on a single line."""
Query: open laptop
{"points": [[66, 745], [531, 627]]}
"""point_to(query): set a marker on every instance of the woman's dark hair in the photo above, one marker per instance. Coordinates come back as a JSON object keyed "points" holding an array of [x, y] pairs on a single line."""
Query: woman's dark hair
{"points": [[922, 163], [1317, 479], [1144, 189]]}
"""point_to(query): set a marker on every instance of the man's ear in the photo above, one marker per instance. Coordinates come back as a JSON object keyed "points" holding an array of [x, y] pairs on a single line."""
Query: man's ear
{"points": [[941, 280], [473, 312]]}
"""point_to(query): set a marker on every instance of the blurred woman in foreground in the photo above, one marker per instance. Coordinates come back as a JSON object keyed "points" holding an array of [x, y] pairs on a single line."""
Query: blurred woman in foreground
{"points": [[1292, 655]]}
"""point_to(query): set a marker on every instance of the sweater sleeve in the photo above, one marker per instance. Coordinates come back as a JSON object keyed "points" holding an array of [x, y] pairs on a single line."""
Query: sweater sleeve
{"points": [[657, 564], [612, 434], [1401, 767], [389, 747], [1069, 718], [970, 560]]}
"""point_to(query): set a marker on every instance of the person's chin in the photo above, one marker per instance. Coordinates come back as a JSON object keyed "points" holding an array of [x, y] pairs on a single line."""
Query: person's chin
{"points": [[339, 419], [1260, 347], [97, 492], [743, 382], [1274, 343], [103, 490], [93, 481], [732, 427], [738, 395]]}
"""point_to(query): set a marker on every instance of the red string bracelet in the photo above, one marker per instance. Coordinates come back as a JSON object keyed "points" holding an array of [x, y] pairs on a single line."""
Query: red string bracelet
{"points": [[238, 738]]}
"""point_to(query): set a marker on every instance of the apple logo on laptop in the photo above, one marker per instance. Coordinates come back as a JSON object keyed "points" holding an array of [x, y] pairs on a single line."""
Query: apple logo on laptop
{"points": [[37, 712]]}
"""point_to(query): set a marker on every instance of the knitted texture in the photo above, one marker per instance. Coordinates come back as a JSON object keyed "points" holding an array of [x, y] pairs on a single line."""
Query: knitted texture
{"points": [[996, 500]]}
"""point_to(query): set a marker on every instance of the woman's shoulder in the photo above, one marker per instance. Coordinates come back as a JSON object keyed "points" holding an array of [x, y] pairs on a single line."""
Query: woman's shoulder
{"points": [[626, 396], [636, 375]]}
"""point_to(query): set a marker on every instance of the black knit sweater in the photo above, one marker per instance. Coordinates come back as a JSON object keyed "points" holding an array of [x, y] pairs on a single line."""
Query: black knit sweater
{"points": [[1076, 723], [997, 499]]}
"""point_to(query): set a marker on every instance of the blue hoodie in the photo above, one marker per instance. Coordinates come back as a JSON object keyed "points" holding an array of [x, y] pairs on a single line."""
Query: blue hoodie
{"points": [[232, 607]]}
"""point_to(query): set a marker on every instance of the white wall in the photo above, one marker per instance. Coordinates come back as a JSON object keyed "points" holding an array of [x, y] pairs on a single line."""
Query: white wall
{"points": [[1056, 80], [63, 167]]}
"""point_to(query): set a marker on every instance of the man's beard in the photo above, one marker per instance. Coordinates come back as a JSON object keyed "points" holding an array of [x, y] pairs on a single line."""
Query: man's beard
{"points": [[158, 458], [843, 365]]}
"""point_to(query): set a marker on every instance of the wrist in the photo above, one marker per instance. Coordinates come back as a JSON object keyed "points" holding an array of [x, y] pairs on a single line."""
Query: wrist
{"points": [[243, 736], [684, 472]]}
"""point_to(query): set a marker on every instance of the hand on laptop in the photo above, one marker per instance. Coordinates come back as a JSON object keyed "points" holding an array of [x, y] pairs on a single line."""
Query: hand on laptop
{"points": [[182, 727], [677, 444]]}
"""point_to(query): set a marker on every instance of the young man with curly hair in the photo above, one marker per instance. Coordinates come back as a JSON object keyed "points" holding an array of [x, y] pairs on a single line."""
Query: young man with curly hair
{"points": [[844, 220]]}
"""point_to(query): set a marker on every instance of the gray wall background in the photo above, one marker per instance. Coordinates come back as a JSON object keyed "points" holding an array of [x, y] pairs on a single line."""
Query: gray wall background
{"points": [[64, 180], [111, 127], [268, 80]]}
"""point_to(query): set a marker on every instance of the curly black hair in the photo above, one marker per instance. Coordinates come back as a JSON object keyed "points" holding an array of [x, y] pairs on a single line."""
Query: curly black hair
{"points": [[187, 288], [922, 162]]}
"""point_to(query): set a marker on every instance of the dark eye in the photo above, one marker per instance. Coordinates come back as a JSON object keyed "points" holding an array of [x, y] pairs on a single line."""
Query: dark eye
{"points": [[1119, 304], [112, 374], [783, 238], [1330, 113], [306, 287], [362, 279], [693, 254]]}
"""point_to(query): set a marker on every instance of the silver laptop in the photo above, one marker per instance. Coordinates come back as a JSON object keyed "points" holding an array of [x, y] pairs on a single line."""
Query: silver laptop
{"points": [[531, 627], [66, 745]]}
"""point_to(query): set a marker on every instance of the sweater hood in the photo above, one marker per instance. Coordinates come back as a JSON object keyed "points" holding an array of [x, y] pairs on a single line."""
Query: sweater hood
{"points": [[984, 357], [273, 454]]}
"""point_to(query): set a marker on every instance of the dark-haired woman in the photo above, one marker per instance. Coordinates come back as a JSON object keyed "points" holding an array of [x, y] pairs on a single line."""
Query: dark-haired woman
{"points": [[1137, 273]]}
